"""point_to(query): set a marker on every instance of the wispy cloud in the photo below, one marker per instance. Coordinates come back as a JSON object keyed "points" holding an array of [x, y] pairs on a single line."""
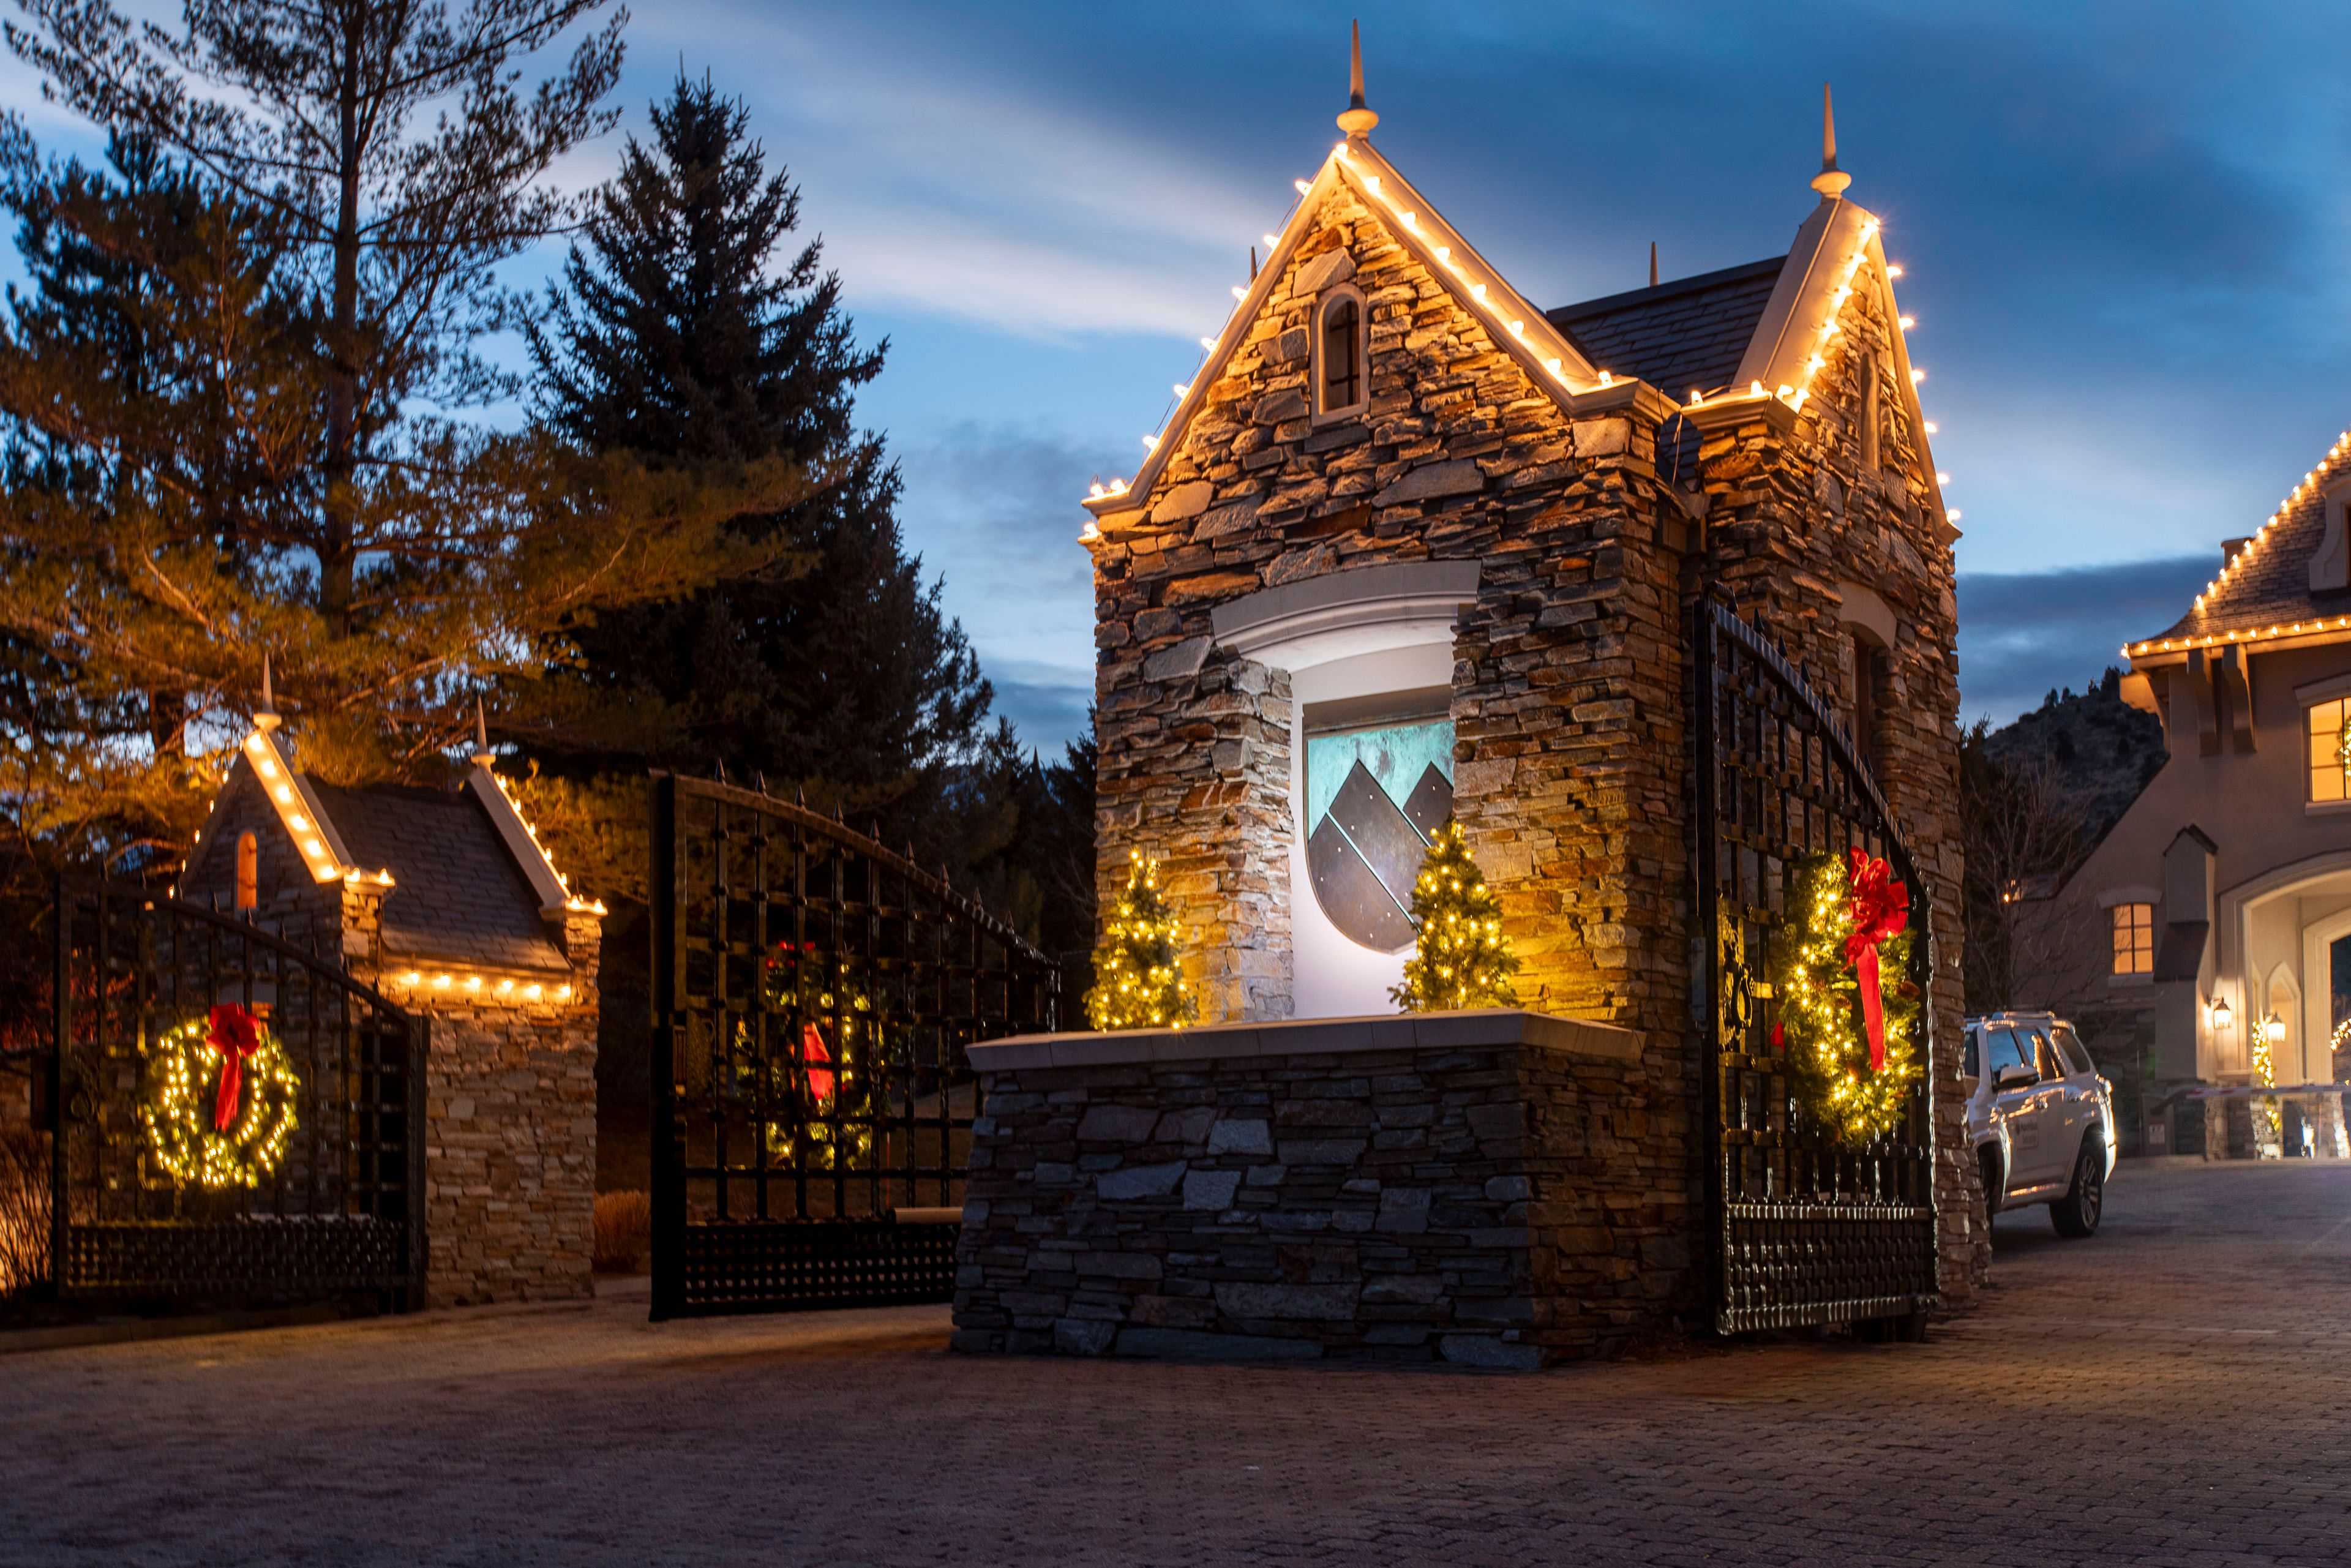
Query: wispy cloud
{"points": [[989, 507], [2023, 634], [942, 188]]}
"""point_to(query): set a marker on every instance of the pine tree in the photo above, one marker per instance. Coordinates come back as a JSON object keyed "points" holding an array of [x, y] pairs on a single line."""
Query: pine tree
{"points": [[1461, 957], [1137, 982], [239, 392], [668, 337]]}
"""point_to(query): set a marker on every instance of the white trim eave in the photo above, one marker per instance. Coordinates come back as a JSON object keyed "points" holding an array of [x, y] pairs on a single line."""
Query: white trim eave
{"points": [[1804, 298], [520, 842], [2161, 658], [1541, 350], [1365, 610], [260, 745]]}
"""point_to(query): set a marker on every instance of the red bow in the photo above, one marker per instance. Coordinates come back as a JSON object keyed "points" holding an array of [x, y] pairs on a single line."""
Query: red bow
{"points": [[1881, 909], [813, 1049], [235, 1034]]}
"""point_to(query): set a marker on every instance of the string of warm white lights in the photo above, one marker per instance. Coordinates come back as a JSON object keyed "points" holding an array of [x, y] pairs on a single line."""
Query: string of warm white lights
{"points": [[1482, 293], [2244, 558], [571, 901], [476, 984]]}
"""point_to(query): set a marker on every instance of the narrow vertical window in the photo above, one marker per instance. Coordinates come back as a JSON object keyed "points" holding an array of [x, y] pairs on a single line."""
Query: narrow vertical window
{"points": [[1868, 684], [2133, 938], [1342, 354], [2330, 758], [1869, 380]]}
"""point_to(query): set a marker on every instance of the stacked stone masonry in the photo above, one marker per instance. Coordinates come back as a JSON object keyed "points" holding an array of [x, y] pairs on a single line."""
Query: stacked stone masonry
{"points": [[1507, 1206], [1568, 690]]}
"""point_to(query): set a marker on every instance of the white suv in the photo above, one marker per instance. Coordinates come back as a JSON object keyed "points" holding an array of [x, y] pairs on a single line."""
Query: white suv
{"points": [[2040, 1118]]}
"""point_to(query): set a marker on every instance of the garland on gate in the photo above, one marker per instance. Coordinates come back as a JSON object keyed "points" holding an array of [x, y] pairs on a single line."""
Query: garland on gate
{"points": [[219, 1102], [1848, 1009]]}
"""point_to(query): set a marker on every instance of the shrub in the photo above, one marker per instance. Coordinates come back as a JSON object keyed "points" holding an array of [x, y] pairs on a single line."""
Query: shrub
{"points": [[624, 1230], [24, 1210]]}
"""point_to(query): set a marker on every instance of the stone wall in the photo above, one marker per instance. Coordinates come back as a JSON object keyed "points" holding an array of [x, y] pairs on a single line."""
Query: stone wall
{"points": [[510, 1153], [1499, 1205]]}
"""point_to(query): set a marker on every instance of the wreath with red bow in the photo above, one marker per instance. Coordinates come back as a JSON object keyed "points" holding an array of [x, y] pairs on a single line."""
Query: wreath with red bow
{"points": [[219, 1106], [1848, 1009]]}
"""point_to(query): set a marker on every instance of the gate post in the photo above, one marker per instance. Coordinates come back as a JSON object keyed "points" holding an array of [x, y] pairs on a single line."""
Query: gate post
{"points": [[60, 1032], [667, 1174], [420, 1258], [1706, 929]]}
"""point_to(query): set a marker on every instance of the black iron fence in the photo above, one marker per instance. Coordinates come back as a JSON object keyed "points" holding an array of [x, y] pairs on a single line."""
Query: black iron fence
{"points": [[1810, 1226], [298, 1175], [814, 997]]}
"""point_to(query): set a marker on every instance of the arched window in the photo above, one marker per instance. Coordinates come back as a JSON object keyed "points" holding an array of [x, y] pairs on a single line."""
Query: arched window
{"points": [[1339, 380]]}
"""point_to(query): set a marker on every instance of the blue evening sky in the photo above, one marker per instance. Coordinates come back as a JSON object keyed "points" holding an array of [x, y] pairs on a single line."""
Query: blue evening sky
{"points": [[2123, 227]]}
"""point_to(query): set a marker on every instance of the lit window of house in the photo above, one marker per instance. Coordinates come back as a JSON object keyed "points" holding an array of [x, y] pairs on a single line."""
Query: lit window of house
{"points": [[2330, 769], [2133, 938]]}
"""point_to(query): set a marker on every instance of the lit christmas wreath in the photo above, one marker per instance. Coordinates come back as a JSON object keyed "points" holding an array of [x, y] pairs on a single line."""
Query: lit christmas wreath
{"points": [[1848, 1009], [219, 1106]]}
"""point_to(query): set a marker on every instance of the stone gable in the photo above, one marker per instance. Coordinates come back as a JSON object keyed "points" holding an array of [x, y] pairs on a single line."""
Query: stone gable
{"points": [[1459, 456]]}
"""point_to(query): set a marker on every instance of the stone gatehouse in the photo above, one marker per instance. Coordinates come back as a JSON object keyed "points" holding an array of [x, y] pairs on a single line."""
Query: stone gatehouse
{"points": [[1411, 544], [444, 901]]}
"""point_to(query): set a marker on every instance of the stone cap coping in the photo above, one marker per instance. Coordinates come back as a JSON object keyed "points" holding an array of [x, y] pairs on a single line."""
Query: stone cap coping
{"points": [[1312, 1037]]}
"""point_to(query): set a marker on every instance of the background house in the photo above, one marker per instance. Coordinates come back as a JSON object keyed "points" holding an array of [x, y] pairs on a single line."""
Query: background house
{"points": [[2207, 923], [444, 901]]}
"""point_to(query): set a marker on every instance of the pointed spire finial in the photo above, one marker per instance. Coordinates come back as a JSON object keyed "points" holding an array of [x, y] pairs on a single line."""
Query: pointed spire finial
{"points": [[483, 754], [1653, 264], [1357, 120], [266, 718], [1830, 181]]}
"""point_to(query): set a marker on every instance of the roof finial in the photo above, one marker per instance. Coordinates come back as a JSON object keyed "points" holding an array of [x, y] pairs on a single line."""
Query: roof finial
{"points": [[265, 717], [1653, 264], [483, 754], [1356, 119], [1830, 181]]}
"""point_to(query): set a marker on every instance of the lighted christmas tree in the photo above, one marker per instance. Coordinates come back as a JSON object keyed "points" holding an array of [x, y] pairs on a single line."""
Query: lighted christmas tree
{"points": [[1136, 984], [1461, 958]]}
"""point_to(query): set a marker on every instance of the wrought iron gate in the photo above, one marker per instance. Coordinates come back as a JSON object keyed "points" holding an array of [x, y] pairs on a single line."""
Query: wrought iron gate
{"points": [[1807, 1228], [814, 996], [343, 1209]]}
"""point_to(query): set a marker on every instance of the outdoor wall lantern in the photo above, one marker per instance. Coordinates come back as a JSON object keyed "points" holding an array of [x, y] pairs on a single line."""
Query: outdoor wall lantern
{"points": [[2220, 1015], [2274, 1029]]}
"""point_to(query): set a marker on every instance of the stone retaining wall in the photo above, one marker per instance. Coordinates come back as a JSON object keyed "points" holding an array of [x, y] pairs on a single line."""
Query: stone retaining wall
{"points": [[1501, 1204]]}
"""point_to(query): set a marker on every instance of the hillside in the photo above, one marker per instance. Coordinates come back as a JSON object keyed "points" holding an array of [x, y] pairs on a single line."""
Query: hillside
{"points": [[2102, 750]]}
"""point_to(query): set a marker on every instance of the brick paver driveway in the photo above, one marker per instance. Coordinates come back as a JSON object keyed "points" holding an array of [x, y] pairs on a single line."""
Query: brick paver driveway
{"points": [[2175, 1391]]}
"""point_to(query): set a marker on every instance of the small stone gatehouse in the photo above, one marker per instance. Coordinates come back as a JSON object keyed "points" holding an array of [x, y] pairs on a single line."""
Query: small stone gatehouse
{"points": [[443, 900], [1411, 545]]}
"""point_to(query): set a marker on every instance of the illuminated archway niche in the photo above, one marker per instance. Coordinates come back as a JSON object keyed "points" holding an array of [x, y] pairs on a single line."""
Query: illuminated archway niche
{"points": [[1370, 657]]}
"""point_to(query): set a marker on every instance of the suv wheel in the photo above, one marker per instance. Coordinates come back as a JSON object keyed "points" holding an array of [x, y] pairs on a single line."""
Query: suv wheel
{"points": [[2076, 1214], [1988, 1162]]}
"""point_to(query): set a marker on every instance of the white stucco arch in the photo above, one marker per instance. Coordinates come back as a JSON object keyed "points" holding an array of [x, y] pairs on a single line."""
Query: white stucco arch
{"points": [[1346, 636]]}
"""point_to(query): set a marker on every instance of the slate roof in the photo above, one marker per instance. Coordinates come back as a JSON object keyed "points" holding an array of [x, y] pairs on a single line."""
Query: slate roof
{"points": [[1690, 332], [2270, 587], [457, 895]]}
